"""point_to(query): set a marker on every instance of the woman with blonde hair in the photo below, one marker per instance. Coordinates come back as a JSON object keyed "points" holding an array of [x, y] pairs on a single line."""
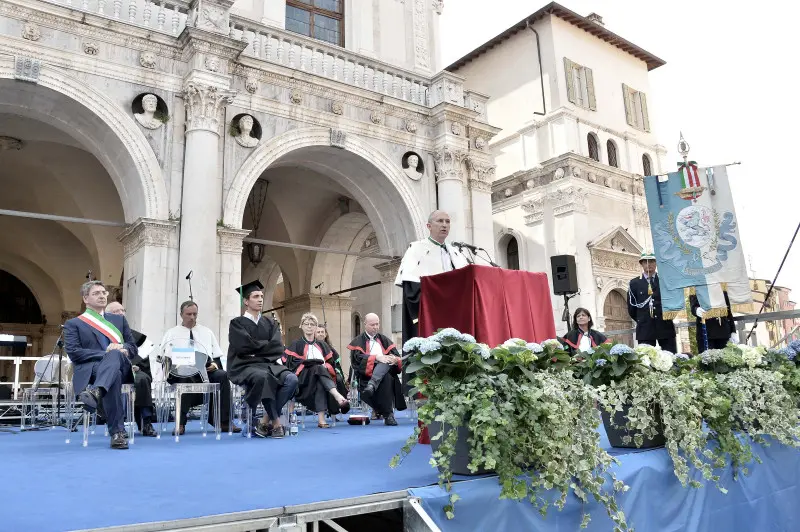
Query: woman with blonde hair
{"points": [[314, 364]]}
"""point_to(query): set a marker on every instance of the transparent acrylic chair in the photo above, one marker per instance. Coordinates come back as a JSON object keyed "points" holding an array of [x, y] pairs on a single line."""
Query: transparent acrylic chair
{"points": [[40, 401], [240, 410], [90, 418], [184, 358]]}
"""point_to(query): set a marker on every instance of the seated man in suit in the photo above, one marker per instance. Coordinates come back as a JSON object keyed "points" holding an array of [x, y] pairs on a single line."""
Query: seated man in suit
{"points": [[100, 346], [377, 365], [143, 411]]}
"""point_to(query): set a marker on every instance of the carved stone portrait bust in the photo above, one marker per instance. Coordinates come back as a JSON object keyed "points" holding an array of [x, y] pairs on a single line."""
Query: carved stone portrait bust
{"points": [[412, 166], [147, 117], [248, 135]]}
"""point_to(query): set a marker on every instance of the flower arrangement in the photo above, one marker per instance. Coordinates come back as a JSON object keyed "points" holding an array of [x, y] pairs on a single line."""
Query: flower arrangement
{"points": [[534, 425]]}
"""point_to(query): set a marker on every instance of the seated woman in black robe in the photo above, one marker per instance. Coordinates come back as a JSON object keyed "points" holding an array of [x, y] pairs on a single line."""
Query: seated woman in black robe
{"points": [[313, 363], [582, 337], [322, 336]]}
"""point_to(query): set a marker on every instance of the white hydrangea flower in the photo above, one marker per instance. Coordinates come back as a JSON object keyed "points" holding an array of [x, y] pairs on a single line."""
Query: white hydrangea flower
{"points": [[484, 350], [645, 361], [533, 346], [646, 349], [514, 342], [663, 361], [552, 342], [751, 356]]}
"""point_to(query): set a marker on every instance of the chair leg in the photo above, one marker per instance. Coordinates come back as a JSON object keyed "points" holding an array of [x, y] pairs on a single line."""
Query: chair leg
{"points": [[86, 428], [177, 416], [217, 413]]}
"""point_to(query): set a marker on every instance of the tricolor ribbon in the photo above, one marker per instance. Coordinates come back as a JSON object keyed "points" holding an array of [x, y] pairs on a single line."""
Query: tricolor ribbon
{"points": [[689, 174]]}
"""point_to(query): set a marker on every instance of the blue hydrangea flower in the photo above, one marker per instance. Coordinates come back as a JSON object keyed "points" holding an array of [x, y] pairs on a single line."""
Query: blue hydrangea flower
{"points": [[788, 352], [412, 344], [621, 349], [600, 362], [454, 334], [533, 346], [682, 356], [427, 345], [794, 345], [484, 350]]}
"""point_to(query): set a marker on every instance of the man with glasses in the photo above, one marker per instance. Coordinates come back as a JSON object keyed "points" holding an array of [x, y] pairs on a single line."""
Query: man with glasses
{"points": [[142, 378], [100, 346]]}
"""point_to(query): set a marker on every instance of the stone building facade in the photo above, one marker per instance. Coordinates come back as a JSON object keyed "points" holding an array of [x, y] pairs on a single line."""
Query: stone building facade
{"points": [[576, 140], [153, 140]]}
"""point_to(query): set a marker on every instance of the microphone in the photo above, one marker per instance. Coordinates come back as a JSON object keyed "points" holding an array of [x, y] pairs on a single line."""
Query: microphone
{"points": [[470, 247], [189, 275]]}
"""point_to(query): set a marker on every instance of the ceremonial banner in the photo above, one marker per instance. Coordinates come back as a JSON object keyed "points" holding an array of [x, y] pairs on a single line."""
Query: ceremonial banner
{"points": [[696, 239]]}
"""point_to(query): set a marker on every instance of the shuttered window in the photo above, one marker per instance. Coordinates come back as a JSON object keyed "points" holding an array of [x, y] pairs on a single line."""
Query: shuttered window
{"points": [[580, 85], [635, 108]]}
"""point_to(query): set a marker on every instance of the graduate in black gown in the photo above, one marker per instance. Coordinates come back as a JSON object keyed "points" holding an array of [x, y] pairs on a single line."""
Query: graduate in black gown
{"points": [[582, 337], [377, 365], [255, 351], [313, 363], [322, 336]]}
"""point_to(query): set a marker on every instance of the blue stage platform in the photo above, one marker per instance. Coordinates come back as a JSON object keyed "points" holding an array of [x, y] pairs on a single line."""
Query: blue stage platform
{"points": [[51, 486]]}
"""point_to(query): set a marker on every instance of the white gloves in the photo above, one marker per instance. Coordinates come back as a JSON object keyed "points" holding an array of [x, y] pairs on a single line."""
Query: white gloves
{"points": [[735, 337], [700, 312]]}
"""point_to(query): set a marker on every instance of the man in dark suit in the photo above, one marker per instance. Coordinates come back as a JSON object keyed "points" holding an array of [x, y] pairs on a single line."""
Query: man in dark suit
{"points": [[143, 410], [100, 346], [644, 307]]}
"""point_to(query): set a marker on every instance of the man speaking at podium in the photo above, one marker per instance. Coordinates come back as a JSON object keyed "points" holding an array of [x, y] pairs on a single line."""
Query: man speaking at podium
{"points": [[425, 257]]}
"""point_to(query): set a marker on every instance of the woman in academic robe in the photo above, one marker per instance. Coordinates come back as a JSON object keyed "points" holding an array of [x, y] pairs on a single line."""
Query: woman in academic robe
{"points": [[322, 336], [582, 337], [314, 364]]}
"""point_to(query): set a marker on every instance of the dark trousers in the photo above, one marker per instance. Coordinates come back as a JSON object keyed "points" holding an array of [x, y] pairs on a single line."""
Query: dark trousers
{"points": [[666, 344], [713, 343], [108, 374], [286, 389], [194, 399], [143, 405], [378, 373], [324, 386]]}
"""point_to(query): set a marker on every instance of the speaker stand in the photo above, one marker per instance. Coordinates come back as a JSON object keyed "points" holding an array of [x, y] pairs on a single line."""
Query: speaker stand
{"points": [[565, 316]]}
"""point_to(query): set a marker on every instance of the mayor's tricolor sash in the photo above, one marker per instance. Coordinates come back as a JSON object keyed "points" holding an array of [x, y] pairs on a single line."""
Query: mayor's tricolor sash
{"points": [[102, 325]]}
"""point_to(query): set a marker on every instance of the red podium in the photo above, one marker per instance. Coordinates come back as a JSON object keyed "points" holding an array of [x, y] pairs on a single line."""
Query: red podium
{"points": [[491, 304]]}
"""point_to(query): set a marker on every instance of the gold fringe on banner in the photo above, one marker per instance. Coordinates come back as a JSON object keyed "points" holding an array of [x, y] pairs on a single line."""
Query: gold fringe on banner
{"points": [[716, 313], [673, 314]]}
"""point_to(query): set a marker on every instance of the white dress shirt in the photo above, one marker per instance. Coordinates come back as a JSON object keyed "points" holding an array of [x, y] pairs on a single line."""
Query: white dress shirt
{"points": [[374, 346], [314, 353]]}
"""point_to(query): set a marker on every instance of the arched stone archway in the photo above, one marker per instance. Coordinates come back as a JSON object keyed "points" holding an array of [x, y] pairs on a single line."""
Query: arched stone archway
{"points": [[100, 125], [348, 232], [382, 183]]}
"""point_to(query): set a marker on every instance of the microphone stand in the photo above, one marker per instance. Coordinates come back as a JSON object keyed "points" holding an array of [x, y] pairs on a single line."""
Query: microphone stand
{"points": [[461, 250]]}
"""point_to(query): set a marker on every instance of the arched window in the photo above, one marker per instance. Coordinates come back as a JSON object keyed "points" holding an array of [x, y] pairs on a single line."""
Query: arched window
{"points": [[594, 151], [356, 325], [647, 166], [512, 254], [611, 149]]}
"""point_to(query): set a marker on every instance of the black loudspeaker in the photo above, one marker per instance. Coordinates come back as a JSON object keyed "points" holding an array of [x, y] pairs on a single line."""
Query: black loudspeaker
{"points": [[565, 275]]}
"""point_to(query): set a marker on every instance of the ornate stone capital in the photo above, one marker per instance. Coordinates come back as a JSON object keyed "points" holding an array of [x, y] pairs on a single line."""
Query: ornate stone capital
{"points": [[438, 6], [481, 175], [448, 164], [230, 240], [211, 15], [205, 105], [388, 270], [147, 232]]}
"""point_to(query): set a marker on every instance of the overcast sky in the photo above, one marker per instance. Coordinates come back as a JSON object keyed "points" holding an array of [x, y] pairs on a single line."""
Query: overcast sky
{"points": [[727, 85]]}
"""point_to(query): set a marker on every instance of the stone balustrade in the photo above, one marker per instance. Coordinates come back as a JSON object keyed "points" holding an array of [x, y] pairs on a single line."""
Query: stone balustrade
{"points": [[291, 50], [167, 16]]}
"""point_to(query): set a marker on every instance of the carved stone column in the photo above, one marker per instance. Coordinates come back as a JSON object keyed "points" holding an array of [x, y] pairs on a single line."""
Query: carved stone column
{"points": [[149, 287], [449, 174], [201, 202], [390, 295], [229, 243], [481, 175]]}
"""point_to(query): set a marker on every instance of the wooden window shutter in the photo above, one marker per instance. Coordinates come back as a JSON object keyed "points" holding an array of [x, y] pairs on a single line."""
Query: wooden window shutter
{"points": [[569, 66], [645, 117], [629, 109], [590, 88]]}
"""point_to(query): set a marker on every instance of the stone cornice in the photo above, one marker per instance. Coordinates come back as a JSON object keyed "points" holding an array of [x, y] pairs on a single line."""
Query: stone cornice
{"points": [[305, 301], [230, 240], [195, 40], [147, 232], [564, 200]]}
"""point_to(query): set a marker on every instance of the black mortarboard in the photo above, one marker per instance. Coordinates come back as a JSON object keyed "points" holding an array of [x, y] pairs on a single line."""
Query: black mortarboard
{"points": [[246, 289]]}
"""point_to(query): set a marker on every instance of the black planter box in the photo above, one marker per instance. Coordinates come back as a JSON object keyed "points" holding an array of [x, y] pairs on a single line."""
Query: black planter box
{"points": [[460, 461], [615, 434]]}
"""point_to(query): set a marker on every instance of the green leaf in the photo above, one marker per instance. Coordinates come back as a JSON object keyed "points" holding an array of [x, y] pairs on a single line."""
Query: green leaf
{"points": [[414, 366], [619, 368], [430, 359]]}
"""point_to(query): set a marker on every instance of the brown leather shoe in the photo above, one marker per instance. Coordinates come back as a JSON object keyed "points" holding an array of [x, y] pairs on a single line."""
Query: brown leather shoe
{"points": [[148, 430]]}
